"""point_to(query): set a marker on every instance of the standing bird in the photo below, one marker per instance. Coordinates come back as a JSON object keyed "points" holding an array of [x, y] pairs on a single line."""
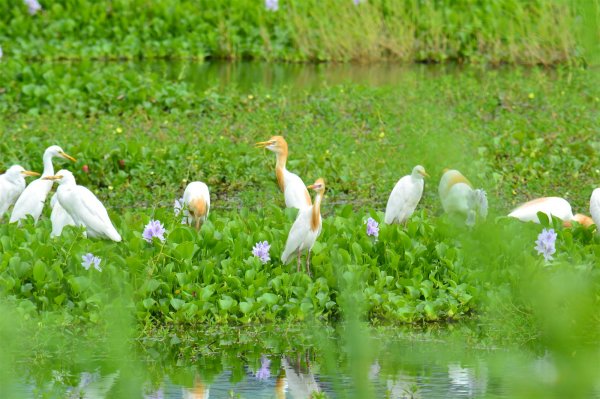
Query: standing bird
{"points": [[458, 196], [292, 186], [31, 201], [12, 184], [59, 217], [405, 196], [83, 206], [306, 228], [551, 206], [595, 207], [197, 200]]}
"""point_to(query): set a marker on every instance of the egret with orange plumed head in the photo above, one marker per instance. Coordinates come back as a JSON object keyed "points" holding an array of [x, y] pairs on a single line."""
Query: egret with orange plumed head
{"points": [[551, 206], [196, 198], [306, 228], [459, 197], [293, 188]]}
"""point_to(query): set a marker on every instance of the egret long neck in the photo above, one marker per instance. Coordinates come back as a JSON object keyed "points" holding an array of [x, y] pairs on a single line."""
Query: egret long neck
{"points": [[280, 169], [48, 167], [316, 213]]}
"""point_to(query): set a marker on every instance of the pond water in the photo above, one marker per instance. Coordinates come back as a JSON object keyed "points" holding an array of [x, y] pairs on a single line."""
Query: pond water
{"points": [[336, 366]]}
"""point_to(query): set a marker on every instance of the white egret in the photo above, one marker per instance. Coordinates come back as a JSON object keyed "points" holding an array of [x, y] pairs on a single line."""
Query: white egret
{"points": [[196, 198], [59, 217], [551, 206], [405, 196], [83, 206], [306, 228], [12, 184], [293, 188], [31, 201], [459, 197], [595, 207]]}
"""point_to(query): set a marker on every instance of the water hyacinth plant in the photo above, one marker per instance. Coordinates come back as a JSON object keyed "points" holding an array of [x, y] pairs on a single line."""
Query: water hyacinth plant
{"points": [[33, 6], [261, 251], [372, 227], [546, 243], [154, 229], [265, 369], [89, 259], [272, 5]]}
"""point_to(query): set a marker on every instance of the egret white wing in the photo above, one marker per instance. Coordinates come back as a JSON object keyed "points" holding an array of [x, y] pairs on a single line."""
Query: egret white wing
{"points": [[403, 200], [31, 201], [59, 217], [297, 234], [551, 206], [94, 216], [595, 207], [295, 193]]}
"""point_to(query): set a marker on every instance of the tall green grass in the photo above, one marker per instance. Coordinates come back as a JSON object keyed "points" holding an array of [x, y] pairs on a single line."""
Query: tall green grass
{"points": [[478, 31]]}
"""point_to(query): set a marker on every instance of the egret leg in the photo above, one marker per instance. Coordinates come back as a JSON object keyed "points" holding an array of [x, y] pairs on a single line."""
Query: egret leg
{"points": [[299, 261], [198, 224], [308, 264]]}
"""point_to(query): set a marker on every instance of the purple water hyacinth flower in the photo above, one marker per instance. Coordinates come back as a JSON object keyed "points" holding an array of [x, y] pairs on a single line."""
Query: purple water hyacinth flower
{"points": [[158, 394], [546, 243], [372, 227], [89, 259], [357, 2], [33, 6], [178, 206], [154, 229], [264, 372], [272, 5], [261, 250]]}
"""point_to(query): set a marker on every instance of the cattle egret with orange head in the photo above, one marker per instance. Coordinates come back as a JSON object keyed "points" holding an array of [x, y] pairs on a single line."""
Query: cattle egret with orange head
{"points": [[197, 200], [293, 188], [459, 197], [551, 206], [306, 228]]}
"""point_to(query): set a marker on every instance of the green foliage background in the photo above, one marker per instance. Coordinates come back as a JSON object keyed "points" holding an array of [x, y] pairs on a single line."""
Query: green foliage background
{"points": [[479, 31]]}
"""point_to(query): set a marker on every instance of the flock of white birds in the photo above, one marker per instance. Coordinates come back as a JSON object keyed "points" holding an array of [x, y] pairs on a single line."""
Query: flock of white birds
{"points": [[75, 205]]}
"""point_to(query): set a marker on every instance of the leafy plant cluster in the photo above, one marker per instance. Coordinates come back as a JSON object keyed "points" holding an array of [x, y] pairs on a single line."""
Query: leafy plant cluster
{"points": [[212, 276], [496, 31]]}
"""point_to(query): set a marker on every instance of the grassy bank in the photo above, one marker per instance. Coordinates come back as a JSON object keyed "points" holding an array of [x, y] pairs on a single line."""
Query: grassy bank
{"points": [[495, 31]]}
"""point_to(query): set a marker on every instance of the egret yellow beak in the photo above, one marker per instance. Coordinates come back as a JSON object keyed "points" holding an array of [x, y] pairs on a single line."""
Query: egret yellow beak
{"points": [[29, 173], [57, 177], [314, 186], [262, 144], [67, 156], [423, 173]]}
